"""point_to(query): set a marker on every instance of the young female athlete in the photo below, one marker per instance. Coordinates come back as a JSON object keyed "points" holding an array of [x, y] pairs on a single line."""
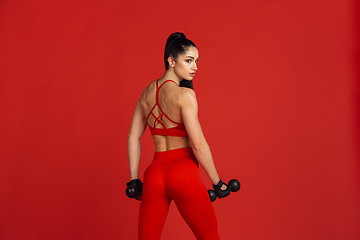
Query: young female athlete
{"points": [[172, 115]]}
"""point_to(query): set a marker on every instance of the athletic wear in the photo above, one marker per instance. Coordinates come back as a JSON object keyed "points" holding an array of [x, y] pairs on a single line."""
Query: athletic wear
{"points": [[177, 131], [174, 175]]}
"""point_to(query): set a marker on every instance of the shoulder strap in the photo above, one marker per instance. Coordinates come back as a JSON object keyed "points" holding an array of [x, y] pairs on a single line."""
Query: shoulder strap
{"points": [[158, 88], [157, 104], [166, 82]]}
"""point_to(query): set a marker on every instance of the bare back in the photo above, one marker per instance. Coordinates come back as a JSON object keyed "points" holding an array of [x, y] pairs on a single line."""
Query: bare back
{"points": [[168, 99]]}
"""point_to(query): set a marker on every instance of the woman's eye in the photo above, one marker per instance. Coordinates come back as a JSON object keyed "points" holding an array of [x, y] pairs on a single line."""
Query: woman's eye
{"points": [[188, 60]]}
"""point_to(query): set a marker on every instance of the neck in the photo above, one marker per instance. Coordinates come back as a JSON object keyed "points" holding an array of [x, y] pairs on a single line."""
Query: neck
{"points": [[171, 75]]}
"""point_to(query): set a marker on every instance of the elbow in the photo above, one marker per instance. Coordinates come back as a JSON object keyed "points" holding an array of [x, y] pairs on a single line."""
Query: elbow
{"points": [[200, 147], [132, 138]]}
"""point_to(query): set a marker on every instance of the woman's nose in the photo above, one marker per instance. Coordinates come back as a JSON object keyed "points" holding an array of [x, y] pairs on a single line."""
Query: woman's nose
{"points": [[195, 66]]}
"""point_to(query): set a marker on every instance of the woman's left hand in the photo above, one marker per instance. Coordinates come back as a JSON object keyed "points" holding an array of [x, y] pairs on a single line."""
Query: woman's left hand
{"points": [[222, 190]]}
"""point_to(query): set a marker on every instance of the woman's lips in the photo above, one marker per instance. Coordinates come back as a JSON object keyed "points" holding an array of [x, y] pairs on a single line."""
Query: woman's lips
{"points": [[192, 74]]}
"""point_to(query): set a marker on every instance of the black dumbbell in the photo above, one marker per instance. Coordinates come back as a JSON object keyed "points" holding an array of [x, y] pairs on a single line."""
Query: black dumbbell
{"points": [[134, 189], [233, 185], [212, 195], [131, 192]]}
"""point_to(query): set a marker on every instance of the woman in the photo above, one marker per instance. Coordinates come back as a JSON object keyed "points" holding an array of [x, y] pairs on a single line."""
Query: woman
{"points": [[172, 115]]}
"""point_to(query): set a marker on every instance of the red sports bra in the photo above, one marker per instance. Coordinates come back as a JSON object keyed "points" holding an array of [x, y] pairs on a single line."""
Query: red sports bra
{"points": [[177, 131]]}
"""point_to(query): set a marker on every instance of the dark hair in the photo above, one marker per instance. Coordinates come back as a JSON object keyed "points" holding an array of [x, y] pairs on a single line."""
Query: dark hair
{"points": [[176, 44], [186, 83]]}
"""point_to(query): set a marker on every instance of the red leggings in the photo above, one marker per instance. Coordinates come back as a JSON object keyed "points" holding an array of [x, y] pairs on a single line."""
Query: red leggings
{"points": [[174, 175]]}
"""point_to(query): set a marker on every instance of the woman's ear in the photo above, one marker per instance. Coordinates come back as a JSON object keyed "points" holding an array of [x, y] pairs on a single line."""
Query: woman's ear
{"points": [[171, 61]]}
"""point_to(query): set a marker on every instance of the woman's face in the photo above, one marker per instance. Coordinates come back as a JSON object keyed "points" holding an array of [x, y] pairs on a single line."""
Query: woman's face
{"points": [[186, 64]]}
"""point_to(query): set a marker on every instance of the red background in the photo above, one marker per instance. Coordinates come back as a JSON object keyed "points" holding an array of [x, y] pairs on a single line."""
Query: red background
{"points": [[278, 92]]}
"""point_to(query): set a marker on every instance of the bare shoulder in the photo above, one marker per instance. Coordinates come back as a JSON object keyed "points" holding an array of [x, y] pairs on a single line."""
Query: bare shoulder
{"points": [[187, 97], [147, 91]]}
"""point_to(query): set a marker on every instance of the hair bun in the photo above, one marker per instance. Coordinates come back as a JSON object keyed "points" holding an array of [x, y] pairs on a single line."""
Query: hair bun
{"points": [[174, 36], [178, 35]]}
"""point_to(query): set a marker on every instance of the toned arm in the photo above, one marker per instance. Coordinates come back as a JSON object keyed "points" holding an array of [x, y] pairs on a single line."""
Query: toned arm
{"points": [[137, 128], [189, 113]]}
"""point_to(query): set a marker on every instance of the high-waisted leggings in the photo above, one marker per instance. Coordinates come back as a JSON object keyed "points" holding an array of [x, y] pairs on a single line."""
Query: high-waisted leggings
{"points": [[174, 175]]}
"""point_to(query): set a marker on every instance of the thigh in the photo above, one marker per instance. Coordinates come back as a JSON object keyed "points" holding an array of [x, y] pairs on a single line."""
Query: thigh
{"points": [[154, 204], [192, 200]]}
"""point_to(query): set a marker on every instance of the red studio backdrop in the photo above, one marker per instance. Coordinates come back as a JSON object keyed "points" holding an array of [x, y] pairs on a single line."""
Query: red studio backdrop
{"points": [[277, 88]]}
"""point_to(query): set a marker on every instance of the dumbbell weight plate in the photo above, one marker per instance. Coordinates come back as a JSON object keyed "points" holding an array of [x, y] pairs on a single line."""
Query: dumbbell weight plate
{"points": [[212, 195], [131, 192], [234, 185]]}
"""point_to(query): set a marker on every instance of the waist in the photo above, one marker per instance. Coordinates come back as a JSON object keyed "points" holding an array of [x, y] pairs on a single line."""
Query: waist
{"points": [[172, 154]]}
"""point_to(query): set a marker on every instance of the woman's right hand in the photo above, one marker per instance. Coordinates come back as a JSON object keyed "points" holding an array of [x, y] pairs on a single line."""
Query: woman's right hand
{"points": [[139, 187]]}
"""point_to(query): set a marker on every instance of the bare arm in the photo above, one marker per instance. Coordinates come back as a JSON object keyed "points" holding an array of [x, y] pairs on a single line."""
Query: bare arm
{"points": [[137, 128], [189, 113]]}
